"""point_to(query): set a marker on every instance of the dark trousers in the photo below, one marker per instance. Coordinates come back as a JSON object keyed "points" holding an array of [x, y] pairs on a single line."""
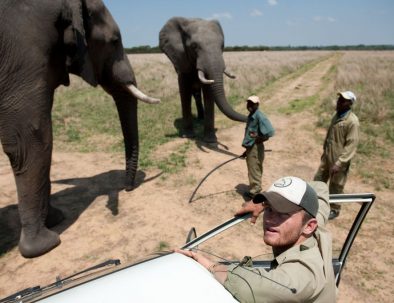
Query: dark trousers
{"points": [[254, 162]]}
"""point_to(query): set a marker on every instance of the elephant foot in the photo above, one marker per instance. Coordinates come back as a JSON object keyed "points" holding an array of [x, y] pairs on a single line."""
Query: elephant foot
{"points": [[54, 216], [210, 138], [41, 243], [129, 187], [188, 133]]}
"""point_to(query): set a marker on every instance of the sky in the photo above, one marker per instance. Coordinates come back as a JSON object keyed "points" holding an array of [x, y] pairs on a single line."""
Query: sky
{"points": [[263, 22]]}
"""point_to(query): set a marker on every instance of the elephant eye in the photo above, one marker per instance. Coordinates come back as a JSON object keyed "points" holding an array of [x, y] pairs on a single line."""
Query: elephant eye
{"points": [[115, 39], [194, 45]]}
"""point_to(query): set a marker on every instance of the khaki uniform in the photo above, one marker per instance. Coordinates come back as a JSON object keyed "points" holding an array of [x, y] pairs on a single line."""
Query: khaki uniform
{"points": [[306, 268], [339, 148], [300, 267], [258, 123]]}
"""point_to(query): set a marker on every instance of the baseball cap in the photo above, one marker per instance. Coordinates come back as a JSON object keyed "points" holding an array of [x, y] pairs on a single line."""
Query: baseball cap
{"points": [[254, 99], [289, 194], [348, 95]]}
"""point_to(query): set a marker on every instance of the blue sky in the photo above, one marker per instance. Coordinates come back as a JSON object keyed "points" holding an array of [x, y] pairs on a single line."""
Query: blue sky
{"points": [[264, 22]]}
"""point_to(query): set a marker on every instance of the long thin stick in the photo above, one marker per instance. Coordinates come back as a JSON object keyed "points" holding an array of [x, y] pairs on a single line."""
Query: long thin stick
{"points": [[217, 167]]}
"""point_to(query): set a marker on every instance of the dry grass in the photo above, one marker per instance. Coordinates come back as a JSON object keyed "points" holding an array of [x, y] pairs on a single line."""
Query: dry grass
{"points": [[370, 75]]}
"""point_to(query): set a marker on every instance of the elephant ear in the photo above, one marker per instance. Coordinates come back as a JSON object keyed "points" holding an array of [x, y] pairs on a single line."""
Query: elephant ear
{"points": [[78, 61], [172, 42]]}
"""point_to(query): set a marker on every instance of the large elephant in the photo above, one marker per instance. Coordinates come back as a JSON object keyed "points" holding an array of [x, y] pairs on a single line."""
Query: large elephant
{"points": [[41, 42], [195, 47]]}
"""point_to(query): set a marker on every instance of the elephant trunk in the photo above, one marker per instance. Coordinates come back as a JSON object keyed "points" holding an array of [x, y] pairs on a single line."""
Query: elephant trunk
{"points": [[126, 98], [126, 104], [219, 96]]}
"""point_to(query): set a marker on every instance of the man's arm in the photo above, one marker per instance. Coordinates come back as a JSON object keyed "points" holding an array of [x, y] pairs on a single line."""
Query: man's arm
{"points": [[351, 142], [265, 127], [292, 282]]}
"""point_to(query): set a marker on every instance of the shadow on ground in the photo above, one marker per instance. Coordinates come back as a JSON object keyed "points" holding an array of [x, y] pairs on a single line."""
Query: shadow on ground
{"points": [[72, 201]]}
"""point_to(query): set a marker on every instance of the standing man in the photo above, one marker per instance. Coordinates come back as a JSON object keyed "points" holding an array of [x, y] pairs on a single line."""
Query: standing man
{"points": [[339, 148], [302, 269], [258, 130]]}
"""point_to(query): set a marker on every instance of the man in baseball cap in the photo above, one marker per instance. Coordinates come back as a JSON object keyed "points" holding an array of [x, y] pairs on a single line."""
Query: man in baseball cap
{"points": [[258, 130], [301, 270], [339, 147]]}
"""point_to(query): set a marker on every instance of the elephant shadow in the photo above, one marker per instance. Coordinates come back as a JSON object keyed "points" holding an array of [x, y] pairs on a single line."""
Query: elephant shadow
{"points": [[198, 125], [72, 201]]}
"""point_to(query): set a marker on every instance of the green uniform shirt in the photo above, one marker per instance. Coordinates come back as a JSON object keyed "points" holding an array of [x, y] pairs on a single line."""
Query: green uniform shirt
{"points": [[259, 123], [342, 139], [301, 267]]}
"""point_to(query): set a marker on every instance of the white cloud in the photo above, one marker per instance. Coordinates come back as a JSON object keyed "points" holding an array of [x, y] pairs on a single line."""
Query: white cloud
{"points": [[272, 2], [256, 13], [221, 16], [324, 19]]}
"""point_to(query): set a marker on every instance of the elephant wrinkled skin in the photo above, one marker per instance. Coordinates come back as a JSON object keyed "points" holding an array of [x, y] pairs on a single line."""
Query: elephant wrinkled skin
{"points": [[41, 42], [195, 48]]}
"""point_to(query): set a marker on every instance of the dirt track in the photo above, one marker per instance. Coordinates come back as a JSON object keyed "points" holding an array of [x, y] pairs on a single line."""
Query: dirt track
{"points": [[103, 221]]}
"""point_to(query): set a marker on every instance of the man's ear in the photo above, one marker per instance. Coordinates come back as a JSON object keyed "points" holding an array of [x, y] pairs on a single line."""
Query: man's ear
{"points": [[310, 227]]}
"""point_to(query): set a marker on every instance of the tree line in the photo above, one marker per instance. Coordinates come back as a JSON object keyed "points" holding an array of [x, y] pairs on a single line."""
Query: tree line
{"points": [[146, 49]]}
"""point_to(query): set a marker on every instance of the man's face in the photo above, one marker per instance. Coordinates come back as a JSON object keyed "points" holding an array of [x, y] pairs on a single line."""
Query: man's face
{"points": [[343, 104], [251, 107], [282, 230]]}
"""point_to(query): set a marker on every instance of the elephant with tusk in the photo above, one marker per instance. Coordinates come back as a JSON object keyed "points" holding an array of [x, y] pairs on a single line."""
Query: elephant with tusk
{"points": [[195, 48], [41, 43]]}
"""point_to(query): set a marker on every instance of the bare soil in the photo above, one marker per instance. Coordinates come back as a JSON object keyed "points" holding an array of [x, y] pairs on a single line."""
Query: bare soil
{"points": [[103, 221]]}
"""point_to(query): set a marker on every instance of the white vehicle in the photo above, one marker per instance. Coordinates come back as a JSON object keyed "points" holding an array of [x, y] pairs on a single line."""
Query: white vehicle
{"points": [[172, 277]]}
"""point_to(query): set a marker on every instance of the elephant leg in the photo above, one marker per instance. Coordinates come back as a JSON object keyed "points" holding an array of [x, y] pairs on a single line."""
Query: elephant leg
{"points": [[185, 91], [54, 216], [29, 148], [209, 115]]}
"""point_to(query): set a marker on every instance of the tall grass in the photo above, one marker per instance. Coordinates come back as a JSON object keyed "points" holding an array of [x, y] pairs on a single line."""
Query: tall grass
{"points": [[370, 75]]}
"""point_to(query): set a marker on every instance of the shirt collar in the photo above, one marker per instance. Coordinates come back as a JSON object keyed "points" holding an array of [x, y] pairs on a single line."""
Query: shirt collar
{"points": [[343, 114]]}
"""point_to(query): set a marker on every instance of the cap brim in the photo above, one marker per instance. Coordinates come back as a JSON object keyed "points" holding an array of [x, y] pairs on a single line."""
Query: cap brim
{"points": [[280, 204], [259, 198], [345, 97]]}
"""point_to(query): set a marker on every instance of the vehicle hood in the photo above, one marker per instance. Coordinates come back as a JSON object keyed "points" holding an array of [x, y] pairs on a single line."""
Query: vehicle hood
{"points": [[169, 278]]}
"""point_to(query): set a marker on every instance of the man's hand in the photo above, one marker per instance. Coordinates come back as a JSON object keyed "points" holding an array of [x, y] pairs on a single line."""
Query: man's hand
{"points": [[334, 169], [218, 270], [253, 134], [250, 207], [245, 153], [196, 256]]}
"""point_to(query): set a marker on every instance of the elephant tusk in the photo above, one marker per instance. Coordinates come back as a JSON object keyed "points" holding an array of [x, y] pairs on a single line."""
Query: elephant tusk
{"points": [[202, 78], [228, 74], [141, 96]]}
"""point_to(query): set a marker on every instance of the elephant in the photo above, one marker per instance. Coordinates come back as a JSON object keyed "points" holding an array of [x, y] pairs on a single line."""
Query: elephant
{"points": [[41, 43], [195, 48]]}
